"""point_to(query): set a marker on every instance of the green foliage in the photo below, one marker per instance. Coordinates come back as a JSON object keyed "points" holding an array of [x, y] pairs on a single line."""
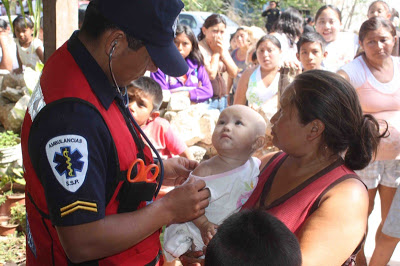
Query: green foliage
{"points": [[12, 248], [8, 139], [35, 13], [7, 6], [18, 215], [310, 6]]}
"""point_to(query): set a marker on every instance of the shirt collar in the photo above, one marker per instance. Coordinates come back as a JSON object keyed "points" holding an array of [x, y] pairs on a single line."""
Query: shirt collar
{"points": [[95, 76]]}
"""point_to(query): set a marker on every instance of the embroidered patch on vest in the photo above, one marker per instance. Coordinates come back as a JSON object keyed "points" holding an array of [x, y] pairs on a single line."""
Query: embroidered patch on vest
{"points": [[68, 157], [36, 102], [29, 237], [78, 205]]}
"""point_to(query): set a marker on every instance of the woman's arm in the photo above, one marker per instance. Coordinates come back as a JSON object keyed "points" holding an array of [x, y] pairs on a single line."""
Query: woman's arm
{"points": [[160, 77], [6, 60], [243, 83], [333, 231], [231, 66], [212, 66], [204, 91]]}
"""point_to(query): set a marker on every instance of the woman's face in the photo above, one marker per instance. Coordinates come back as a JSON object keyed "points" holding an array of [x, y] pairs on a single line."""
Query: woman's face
{"points": [[214, 33], [378, 10], [268, 55], [183, 44], [378, 44], [288, 133], [241, 38], [328, 25]]}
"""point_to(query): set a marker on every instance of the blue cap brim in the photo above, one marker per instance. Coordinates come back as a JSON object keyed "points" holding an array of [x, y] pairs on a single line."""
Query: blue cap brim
{"points": [[168, 59]]}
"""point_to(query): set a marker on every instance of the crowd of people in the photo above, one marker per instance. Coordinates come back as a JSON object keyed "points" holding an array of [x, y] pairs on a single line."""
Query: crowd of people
{"points": [[92, 194]]}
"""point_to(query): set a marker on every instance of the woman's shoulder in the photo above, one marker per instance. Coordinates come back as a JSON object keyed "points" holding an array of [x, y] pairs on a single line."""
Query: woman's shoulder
{"points": [[268, 158], [351, 190]]}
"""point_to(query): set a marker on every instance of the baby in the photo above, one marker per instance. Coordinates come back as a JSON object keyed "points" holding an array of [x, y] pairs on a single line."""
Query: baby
{"points": [[230, 176]]}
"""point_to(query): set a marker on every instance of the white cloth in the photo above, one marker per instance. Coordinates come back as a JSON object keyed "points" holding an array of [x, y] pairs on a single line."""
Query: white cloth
{"points": [[229, 191], [340, 51], [288, 48], [357, 75], [258, 95], [28, 55]]}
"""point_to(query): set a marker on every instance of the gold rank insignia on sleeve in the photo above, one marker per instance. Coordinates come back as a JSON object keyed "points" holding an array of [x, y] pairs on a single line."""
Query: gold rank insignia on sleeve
{"points": [[78, 205]]}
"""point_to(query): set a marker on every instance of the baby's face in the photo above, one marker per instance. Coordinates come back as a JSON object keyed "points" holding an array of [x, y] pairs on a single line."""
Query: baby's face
{"points": [[235, 131]]}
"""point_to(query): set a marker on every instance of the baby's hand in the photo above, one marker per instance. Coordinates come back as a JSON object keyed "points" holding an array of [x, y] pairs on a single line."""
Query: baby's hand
{"points": [[207, 230]]}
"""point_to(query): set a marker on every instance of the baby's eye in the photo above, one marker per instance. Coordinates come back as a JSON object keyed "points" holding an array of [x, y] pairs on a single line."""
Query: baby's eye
{"points": [[220, 122], [238, 122]]}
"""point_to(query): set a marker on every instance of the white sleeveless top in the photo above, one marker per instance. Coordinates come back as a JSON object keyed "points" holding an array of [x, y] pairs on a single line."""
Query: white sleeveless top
{"points": [[257, 94]]}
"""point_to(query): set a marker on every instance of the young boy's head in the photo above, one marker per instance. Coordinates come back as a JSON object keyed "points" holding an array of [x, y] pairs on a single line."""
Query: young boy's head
{"points": [[239, 130], [145, 98], [379, 9], [311, 50], [253, 237]]}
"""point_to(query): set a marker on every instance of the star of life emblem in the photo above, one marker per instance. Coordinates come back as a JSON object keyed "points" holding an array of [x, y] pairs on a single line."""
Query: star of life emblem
{"points": [[68, 158]]}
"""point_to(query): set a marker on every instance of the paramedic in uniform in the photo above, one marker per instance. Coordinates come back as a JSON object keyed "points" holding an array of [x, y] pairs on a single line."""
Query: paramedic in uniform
{"points": [[79, 140]]}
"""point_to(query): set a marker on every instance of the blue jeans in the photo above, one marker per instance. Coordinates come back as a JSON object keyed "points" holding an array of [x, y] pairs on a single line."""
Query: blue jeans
{"points": [[218, 103]]}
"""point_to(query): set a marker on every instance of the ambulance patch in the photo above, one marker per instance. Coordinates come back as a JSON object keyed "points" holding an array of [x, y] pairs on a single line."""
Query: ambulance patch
{"points": [[68, 157]]}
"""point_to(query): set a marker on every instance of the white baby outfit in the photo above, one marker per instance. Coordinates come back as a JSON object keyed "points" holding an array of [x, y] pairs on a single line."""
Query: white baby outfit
{"points": [[229, 191]]}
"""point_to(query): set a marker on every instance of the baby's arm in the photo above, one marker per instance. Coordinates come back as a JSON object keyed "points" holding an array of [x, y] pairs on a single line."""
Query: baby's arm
{"points": [[207, 229]]}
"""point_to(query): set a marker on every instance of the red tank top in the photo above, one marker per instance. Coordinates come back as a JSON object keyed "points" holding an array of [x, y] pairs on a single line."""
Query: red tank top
{"points": [[296, 206]]}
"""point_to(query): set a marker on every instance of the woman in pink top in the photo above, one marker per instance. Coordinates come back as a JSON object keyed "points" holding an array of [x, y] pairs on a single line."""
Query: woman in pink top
{"points": [[376, 76]]}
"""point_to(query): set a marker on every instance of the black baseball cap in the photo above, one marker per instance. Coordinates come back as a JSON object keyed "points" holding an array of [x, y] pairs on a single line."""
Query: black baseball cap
{"points": [[153, 22]]}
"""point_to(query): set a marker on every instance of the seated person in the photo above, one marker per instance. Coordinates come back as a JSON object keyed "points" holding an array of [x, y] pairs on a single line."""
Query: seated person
{"points": [[145, 97], [311, 50], [29, 49], [230, 176], [195, 84], [253, 237]]}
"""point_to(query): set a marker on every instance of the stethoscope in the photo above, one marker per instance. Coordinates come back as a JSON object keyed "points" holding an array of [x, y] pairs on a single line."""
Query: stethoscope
{"points": [[124, 94]]}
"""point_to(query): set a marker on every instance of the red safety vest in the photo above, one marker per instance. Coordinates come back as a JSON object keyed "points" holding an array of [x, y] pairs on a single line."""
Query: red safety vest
{"points": [[62, 78]]}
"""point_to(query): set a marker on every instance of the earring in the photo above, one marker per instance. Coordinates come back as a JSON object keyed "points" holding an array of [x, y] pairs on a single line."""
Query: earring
{"points": [[314, 129]]}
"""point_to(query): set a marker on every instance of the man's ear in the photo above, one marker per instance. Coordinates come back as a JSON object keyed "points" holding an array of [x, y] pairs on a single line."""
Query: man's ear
{"points": [[114, 38], [315, 129], [298, 56], [154, 115], [325, 54]]}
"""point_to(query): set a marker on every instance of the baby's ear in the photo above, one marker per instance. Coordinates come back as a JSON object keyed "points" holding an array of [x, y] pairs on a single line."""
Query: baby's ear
{"points": [[259, 143]]}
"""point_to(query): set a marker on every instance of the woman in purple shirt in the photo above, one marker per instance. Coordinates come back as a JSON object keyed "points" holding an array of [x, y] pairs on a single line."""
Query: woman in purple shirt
{"points": [[195, 84]]}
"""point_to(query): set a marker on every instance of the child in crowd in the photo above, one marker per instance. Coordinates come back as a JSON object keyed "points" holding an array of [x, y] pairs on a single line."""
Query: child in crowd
{"points": [[195, 84], [253, 237], [341, 46], [230, 176], [381, 9], [311, 50], [145, 97], [29, 49]]}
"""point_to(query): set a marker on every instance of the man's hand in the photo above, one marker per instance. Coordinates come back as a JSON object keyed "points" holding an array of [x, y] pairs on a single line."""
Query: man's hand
{"points": [[176, 170]]}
